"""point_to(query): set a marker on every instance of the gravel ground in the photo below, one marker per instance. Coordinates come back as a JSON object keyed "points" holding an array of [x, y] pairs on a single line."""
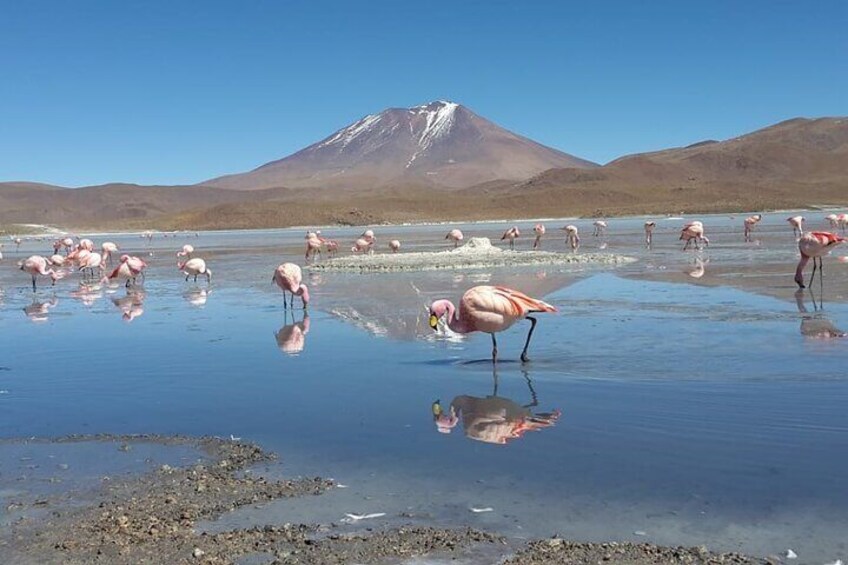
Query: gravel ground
{"points": [[151, 519]]}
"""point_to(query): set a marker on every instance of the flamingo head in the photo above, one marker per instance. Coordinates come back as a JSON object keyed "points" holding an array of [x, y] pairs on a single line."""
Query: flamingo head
{"points": [[445, 422], [438, 309]]}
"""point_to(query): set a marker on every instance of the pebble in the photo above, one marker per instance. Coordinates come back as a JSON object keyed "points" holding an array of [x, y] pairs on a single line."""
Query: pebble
{"points": [[197, 552], [791, 554]]}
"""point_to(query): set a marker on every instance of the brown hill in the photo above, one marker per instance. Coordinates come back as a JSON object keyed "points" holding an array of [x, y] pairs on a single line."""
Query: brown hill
{"points": [[438, 144], [797, 163]]}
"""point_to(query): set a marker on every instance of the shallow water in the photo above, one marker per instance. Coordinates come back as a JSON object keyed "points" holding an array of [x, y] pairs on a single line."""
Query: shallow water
{"points": [[694, 409]]}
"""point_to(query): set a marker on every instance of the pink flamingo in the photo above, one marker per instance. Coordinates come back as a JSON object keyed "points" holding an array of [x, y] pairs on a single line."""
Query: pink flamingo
{"points": [[89, 262], [842, 220], [195, 266], [539, 230], [332, 246], [368, 235], [394, 245], [17, 241], [456, 236], [694, 231], [815, 245], [56, 260], [361, 245], [314, 241], [833, 220], [186, 251], [86, 244], [511, 234], [797, 223], [37, 266], [649, 233], [289, 277], [107, 249], [600, 228], [129, 269], [489, 309], [572, 238], [750, 223]]}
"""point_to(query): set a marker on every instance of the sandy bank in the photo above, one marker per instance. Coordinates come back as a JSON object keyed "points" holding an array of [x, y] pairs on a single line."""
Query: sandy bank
{"points": [[478, 253]]}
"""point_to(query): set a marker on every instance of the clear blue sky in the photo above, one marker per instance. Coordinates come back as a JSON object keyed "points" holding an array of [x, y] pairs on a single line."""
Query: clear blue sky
{"points": [[178, 92]]}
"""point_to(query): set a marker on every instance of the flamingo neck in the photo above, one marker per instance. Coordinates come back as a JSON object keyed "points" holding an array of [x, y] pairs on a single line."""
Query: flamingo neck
{"points": [[799, 272], [454, 322]]}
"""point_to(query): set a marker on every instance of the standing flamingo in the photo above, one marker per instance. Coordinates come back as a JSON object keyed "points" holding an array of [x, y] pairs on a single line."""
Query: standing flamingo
{"points": [[107, 249], [539, 230], [195, 266], [361, 245], [511, 234], [129, 269], [289, 277], [89, 262], [37, 265], [842, 220], [332, 246], [368, 235], [600, 228], [455, 235], [489, 309], [56, 260], [86, 244], [750, 223], [814, 245], [649, 233], [394, 245], [572, 238], [694, 231], [797, 223], [833, 220]]}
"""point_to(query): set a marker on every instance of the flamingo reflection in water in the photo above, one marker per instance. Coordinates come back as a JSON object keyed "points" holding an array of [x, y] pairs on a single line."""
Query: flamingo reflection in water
{"points": [[197, 296], [291, 338], [39, 311], [815, 325], [493, 419], [131, 305]]}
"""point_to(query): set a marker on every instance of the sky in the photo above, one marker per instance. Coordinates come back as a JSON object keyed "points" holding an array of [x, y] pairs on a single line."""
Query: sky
{"points": [[166, 92]]}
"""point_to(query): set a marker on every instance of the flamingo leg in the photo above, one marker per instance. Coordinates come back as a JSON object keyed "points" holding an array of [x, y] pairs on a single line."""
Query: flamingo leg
{"points": [[292, 300], [494, 349], [813, 276], [524, 357], [304, 302], [33, 283], [195, 278], [186, 278], [821, 277], [285, 304]]}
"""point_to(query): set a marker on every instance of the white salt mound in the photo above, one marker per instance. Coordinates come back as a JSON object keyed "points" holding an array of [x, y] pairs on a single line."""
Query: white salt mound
{"points": [[476, 253]]}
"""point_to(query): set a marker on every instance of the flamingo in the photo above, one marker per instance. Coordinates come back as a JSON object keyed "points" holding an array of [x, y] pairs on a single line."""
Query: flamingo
{"points": [[107, 249], [195, 266], [361, 245], [314, 241], [186, 251], [833, 220], [90, 262], [455, 235], [56, 260], [86, 244], [694, 231], [539, 230], [489, 309], [649, 233], [368, 235], [68, 244], [37, 265], [511, 234], [750, 223], [797, 223], [815, 245], [332, 246], [571, 237], [289, 277], [600, 228], [128, 270], [394, 245], [842, 220]]}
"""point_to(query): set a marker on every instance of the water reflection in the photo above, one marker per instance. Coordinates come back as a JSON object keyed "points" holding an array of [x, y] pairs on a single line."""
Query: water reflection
{"points": [[197, 296], [697, 269], [39, 311], [131, 305], [816, 325], [493, 419], [88, 293], [291, 338]]}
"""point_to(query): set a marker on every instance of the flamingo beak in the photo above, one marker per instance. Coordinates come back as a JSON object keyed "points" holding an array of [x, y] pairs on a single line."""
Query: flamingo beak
{"points": [[437, 409], [434, 321]]}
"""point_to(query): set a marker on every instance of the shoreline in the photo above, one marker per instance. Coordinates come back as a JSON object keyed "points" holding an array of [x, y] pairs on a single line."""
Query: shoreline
{"points": [[152, 517], [52, 230]]}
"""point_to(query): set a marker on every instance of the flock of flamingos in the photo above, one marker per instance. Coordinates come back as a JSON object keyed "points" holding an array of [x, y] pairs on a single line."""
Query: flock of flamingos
{"points": [[489, 309]]}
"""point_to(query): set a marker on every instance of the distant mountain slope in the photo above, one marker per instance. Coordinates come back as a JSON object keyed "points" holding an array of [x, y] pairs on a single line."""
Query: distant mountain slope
{"points": [[441, 143]]}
